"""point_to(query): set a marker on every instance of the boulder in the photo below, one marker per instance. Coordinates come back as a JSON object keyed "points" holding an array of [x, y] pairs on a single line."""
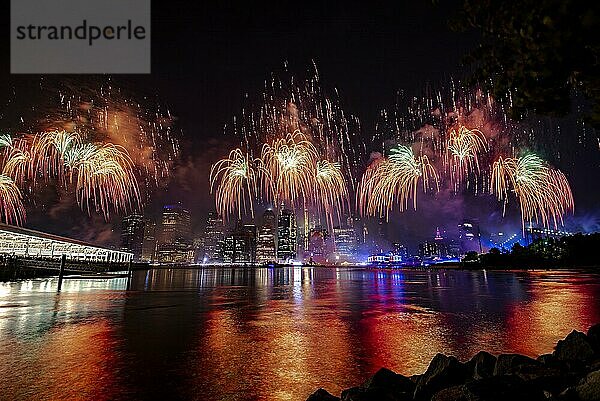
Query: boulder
{"points": [[589, 387], [509, 363], [545, 378], [443, 372], [386, 379], [575, 347], [481, 365], [373, 394], [454, 393], [502, 388], [495, 388], [593, 336], [322, 395], [546, 359]]}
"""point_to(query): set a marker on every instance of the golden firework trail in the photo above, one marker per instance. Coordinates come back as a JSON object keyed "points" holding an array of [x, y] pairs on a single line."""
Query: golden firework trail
{"points": [[331, 192], [49, 151], [103, 175], [11, 204], [235, 182], [543, 192], [462, 150], [289, 165], [17, 159], [394, 180]]}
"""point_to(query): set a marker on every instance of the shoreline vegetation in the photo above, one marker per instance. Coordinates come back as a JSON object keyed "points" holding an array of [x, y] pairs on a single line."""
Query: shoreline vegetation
{"points": [[574, 251], [570, 373]]}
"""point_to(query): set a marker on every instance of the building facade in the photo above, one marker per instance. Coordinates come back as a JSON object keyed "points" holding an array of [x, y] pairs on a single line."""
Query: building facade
{"points": [[149, 242], [266, 240], [214, 237], [344, 239], [175, 243], [240, 246], [132, 235], [287, 242]]}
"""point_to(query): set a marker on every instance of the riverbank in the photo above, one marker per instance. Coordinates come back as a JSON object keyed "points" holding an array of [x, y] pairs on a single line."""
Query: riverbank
{"points": [[570, 373]]}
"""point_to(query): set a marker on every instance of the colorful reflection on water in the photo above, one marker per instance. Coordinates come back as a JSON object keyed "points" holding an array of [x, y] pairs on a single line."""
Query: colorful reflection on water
{"points": [[270, 334]]}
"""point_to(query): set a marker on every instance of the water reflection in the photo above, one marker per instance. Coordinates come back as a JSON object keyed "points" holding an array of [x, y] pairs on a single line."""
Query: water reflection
{"points": [[270, 334]]}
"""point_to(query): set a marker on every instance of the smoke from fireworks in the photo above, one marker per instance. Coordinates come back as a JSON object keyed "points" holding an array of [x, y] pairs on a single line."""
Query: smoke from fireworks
{"points": [[543, 192]]}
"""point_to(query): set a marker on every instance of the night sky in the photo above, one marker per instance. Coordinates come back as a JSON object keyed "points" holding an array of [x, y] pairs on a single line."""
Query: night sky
{"points": [[207, 55]]}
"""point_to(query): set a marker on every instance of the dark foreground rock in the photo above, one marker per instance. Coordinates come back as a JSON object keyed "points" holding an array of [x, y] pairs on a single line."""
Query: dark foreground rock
{"points": [[570, 373], [322, 395]]}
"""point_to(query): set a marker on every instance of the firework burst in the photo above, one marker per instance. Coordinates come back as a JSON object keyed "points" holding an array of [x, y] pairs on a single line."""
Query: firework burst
{"points": [[11, 204], [289, 169], [394, 180], [49, 151], [290, 103], [463, 147], [235, 182], [543, 192], [331, 192], [17, 159], [103, 176]]}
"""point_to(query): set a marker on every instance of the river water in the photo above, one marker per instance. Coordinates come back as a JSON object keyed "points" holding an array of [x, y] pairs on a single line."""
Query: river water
{"points": [[270, 334]]}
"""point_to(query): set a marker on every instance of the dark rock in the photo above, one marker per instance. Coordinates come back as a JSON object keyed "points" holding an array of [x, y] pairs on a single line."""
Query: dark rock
{"points": [[373, 394], [589, 388], [568, 395], [548, 378], [575, 347], [322, 395], [502, 388], [455, 393], [496, 388], [481, 365], [546, 359], [385, 378], [443, 372], [509, 363], [593, 336]]}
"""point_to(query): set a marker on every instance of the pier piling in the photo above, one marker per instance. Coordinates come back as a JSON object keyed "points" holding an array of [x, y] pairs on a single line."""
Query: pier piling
{"points": [[61, 272]]}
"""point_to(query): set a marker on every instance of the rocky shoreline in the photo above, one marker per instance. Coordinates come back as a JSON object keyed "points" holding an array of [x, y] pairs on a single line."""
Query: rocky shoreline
{"points": [[570, 373]]}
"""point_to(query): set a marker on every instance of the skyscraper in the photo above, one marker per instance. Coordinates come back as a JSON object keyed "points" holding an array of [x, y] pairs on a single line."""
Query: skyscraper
{"points": [[245, 244], [286, 235], [344, 239], [240, 246], [318, 245], [468, 235], [132, 235], [149, 242], [265, 248], [175, 242], [214, 237]]}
